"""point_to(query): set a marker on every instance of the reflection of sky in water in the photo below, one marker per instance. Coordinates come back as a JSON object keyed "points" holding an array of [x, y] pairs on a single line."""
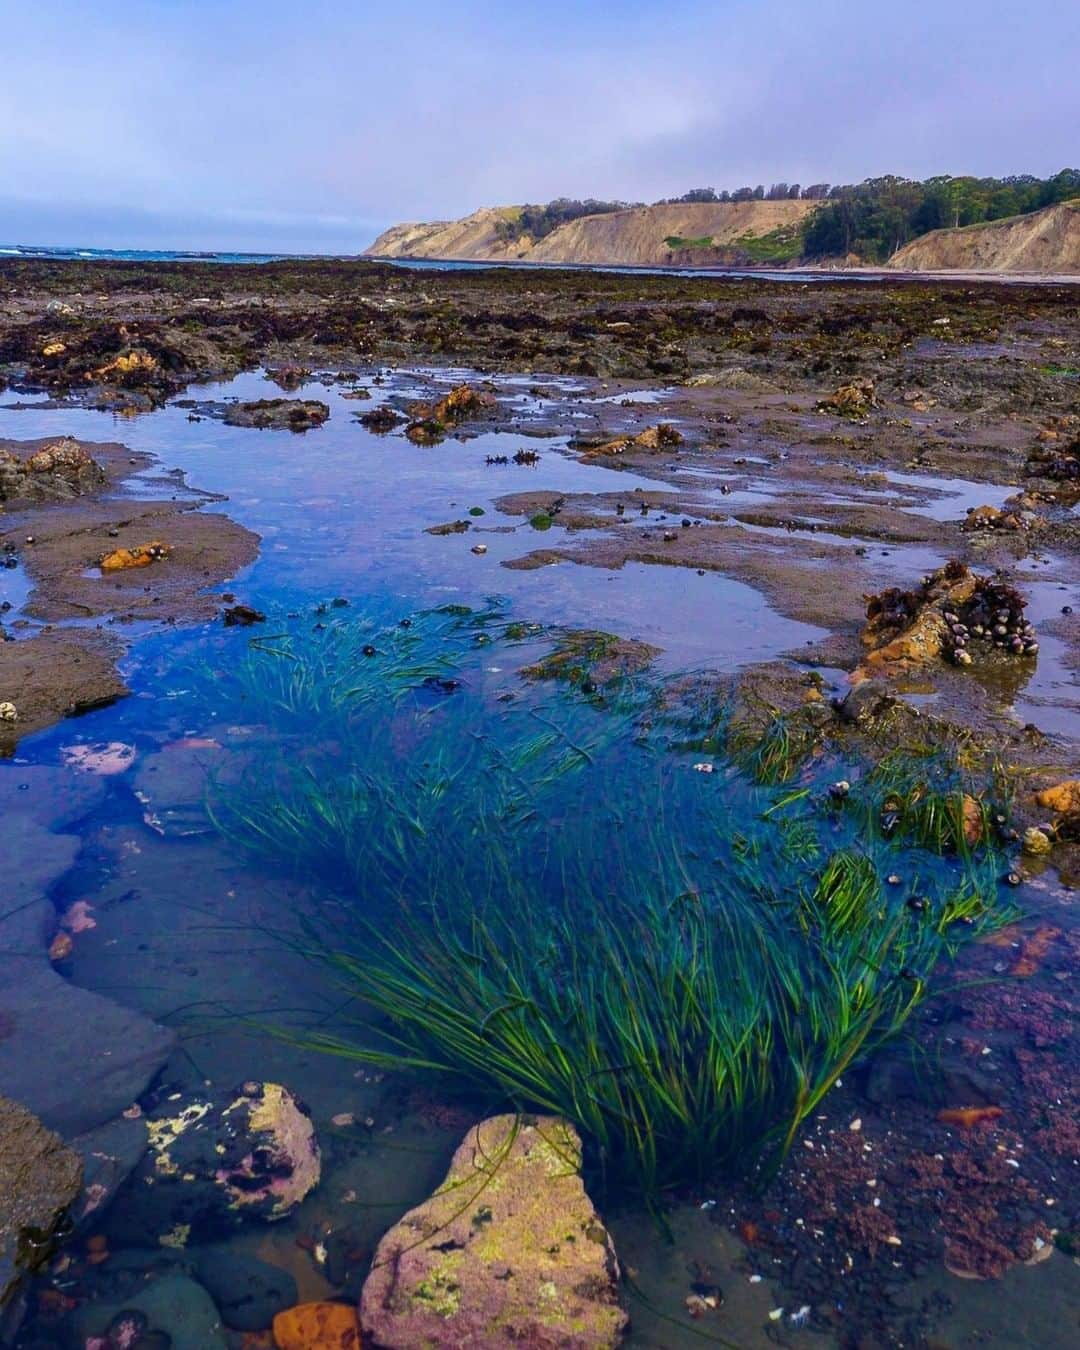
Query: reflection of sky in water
{"points": [[342, 511]]}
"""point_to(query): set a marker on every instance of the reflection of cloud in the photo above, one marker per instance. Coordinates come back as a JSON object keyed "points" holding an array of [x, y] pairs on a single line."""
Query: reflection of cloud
{"points": [[246, 117]]}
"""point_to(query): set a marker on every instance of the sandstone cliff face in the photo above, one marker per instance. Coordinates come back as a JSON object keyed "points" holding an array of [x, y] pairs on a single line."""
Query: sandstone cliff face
{"points": [[634, 237], [1046, 241]]}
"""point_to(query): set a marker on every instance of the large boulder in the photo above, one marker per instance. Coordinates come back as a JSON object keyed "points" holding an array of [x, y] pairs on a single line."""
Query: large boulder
{"points": [[508, 1252], [40, 1177], [216, 1159]]}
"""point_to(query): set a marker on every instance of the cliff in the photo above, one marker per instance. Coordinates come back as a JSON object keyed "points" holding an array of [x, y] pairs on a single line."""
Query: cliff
{"points": [[637, 237], [1045, 241]]}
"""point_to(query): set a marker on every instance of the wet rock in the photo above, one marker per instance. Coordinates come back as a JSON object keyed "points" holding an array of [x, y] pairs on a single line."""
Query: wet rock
{"points": [[990, 518], [380, 420], [40, 1178], [139, 555], [1036, 843], [242, 616], [426, 431], [663, 436], [317, 1326], [509, 1251], [172, 1305], [855, 399], [278, 414], [217, 1159], [249, 1293], [57, 472], [865, 703]]}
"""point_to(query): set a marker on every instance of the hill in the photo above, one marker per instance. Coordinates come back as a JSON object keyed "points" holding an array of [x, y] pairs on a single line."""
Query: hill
{"points": [[668, 234], [1042, 241]]}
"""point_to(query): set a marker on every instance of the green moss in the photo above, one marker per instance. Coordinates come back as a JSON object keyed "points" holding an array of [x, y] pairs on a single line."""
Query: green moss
{"points": [[541, 521], [679, 241]]}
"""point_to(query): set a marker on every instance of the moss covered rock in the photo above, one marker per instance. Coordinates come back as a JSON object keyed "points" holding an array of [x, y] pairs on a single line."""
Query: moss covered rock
{"points": [[509, 1251]]}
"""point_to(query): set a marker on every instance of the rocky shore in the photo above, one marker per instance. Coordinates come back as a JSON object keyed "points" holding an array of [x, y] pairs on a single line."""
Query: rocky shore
{"points": [[895, 465]]}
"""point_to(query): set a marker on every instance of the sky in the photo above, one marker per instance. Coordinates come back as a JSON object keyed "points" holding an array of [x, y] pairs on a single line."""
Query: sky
{"points": [[309, 126]]}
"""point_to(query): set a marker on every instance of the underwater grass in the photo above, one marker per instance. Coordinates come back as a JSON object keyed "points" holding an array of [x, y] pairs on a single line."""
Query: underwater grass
{"points": [[536, 894]]}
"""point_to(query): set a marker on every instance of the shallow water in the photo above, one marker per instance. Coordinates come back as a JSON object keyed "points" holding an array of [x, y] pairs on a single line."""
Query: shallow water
{"points": [[183, 920]]}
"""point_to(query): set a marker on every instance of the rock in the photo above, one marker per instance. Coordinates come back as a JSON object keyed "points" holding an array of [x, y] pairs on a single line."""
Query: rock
{"points": [[380, 420], [141, 555], [216, 1159], [40, 1178], [663, 436], [242, 616], [318, 1326], [172, 1304], [1063, 798], [1036, 842], [57, 472], [508, 1252], [249, 1293], [865, 703], [850, 400], [74, 1058], [278, 414], [109, 1155], [973, 820]]}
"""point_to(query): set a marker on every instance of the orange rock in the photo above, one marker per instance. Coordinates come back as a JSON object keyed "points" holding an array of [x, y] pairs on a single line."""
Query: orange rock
{"points": [[1063, 798], [967, 1117], [142, 555], [973, 821], [1034, 951], [61, 947], [318, 1326]]}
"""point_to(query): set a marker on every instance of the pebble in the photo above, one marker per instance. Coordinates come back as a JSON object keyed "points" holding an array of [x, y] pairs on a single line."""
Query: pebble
{"points": [[479, 548]]}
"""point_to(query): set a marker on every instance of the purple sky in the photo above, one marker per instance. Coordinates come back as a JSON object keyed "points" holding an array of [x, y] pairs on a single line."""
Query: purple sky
{"points": [[230, 123]]}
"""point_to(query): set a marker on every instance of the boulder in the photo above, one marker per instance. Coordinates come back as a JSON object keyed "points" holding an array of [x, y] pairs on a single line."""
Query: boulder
{"points": [[171, 1304], [216, 1159], [40, 1178], [508, 1252]]}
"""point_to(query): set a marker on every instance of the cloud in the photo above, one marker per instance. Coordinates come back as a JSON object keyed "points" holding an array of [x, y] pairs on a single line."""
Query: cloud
{"points": [[267, 122]]}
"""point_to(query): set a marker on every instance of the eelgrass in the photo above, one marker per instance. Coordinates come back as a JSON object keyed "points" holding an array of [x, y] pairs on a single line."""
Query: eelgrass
{"points": [[541, 898]]}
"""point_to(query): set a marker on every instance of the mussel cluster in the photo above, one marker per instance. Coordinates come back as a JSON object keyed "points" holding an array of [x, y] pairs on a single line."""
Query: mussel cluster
{"points": [[894, 608], [994, 614]]}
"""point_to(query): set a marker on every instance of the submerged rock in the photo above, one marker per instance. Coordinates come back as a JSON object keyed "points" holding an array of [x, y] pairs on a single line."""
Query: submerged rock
{"points": [[40, 1178], [216, 1159], [509, 1251], [317, 1326], [171, 1306]]}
